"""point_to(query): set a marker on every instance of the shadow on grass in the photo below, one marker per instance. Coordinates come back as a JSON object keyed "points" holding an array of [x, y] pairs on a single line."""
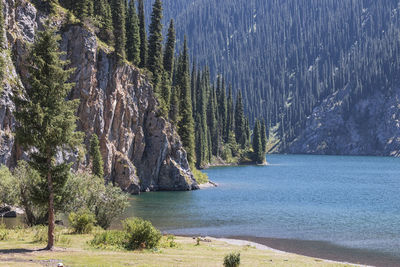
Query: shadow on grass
{"points": [[20, 250]]}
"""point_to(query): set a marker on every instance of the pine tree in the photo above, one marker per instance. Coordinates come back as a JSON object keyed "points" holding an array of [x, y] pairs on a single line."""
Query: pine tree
{"points": [[169, 51], [46, 120], [143, 35], [239, 121], [222, 109], [96, 158], [132, 35], [263, 137], [155, 64], [185, 124], [118, 17]]}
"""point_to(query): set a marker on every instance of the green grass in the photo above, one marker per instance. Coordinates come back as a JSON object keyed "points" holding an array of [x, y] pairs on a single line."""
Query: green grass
{"points": [[178, 251]]}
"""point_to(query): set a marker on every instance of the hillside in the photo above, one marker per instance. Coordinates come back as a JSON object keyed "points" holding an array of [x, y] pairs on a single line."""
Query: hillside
{"points": [[288, 57], [141, 150]]}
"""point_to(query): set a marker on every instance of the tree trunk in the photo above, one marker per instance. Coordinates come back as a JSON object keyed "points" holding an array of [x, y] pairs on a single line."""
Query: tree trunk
{"points": [[51, 220]]}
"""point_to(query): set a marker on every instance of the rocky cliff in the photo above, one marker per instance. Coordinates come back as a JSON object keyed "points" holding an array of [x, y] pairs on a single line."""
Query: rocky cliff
{"points": [[141, 150], [371, 127]]}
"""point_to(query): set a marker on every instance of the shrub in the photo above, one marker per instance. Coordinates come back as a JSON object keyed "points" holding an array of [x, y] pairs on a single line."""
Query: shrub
{"points": [[141, 234], [169, 242], [232, 260], [109, 239], [106, 202], [7, 187], [82, 222], [3, 232]]}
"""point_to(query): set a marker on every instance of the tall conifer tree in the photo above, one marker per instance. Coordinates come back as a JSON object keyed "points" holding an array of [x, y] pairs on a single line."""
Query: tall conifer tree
{"points": [[46, 121], [132, 34], [185, 124], [119, 20], [169, 51], [143, 35], [155, 64], [95, 156], [264, 136], [257, 145], [240, 121], [103, 14]]}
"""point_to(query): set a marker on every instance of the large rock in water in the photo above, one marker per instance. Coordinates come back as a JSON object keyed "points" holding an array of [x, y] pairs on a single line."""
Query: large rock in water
{"points": [[141, 150], [371, 127]]}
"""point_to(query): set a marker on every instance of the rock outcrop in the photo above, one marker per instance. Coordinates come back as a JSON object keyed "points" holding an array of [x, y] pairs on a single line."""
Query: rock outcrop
{"points": [[141, 150], [371, 127]]}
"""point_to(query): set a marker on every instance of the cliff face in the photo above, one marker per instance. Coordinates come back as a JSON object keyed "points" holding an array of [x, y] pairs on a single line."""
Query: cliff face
{"points": [[372, 127], [141, 150]]}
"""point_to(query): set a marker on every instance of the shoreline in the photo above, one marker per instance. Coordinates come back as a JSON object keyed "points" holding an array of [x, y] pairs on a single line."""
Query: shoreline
{"points": [[318, 250], [326, 251], [242, 242]]}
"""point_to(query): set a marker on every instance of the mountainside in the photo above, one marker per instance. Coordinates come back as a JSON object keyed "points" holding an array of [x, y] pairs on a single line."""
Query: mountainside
{"points": [[291, 57], [371, 127], [141, 150]]}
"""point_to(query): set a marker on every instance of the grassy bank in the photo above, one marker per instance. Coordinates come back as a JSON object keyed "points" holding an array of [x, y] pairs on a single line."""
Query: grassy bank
{"points": [[21, 248]]}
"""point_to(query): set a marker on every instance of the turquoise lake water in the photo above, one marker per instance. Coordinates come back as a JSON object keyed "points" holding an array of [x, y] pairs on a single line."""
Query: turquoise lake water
{"points": [[351, 202]]}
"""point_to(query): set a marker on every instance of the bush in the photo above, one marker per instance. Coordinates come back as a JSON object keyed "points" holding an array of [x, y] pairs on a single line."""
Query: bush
{"points": [[232, 260], [140, 234], [7, 187], [82, 222], [105, 202], [3, 232], [109, 239]]}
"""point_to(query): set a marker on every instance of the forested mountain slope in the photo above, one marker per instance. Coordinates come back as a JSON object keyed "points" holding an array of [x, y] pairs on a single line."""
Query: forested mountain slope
{"points": [[288, 56]]}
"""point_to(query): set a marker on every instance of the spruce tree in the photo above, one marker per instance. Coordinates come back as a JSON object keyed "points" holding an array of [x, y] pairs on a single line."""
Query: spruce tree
{"points": [[165, 93], [174, 105], [143, 35], [103, 14], [212, 122], [118, 17], [264, 137], [132, 35], [95, 156], [257, 145], [230, 115], [46, 120], [155, 64], [185, 124], [239, 121], [169, 51]]}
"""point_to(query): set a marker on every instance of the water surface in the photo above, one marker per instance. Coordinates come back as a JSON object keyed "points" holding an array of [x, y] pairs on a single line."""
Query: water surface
{"points": [[333, 201]]}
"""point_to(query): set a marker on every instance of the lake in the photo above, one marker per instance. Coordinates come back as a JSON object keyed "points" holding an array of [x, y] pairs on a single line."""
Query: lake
{"points": [[340, 208]]}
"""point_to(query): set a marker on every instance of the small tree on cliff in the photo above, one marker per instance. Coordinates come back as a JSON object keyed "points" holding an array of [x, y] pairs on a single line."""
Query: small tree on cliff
{"points": [[95, 155], [46, 120]]}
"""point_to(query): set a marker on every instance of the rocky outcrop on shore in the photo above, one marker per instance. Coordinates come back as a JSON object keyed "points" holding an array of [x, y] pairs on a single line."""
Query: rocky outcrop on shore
{"points": [[141, 150]]}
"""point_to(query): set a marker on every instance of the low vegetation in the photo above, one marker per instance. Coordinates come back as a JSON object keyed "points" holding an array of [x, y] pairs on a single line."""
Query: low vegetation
{"points": [[232, 260], [22, 246]]}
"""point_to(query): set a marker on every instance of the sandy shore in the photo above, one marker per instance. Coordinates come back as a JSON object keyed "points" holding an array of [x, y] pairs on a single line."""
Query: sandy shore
{"points": [[323, 250], [240, 242]]}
